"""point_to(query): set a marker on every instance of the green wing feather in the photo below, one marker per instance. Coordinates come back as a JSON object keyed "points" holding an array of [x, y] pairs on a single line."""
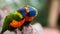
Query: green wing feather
{"points": [[8, 19]]}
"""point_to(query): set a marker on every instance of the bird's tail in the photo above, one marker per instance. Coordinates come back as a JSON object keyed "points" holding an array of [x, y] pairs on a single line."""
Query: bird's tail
{"points": [[1, 32]]}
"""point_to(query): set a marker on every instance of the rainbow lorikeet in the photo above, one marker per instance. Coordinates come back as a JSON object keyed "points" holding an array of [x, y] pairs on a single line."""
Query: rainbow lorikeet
{"points": [[18, 19]]}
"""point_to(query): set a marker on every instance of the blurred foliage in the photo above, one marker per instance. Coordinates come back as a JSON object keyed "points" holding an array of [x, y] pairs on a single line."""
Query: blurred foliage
{"points": [[40, 5]]}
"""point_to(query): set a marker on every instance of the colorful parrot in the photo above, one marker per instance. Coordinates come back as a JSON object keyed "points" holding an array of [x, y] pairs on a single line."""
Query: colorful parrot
{"points": [[31, 13], [18, 19]]}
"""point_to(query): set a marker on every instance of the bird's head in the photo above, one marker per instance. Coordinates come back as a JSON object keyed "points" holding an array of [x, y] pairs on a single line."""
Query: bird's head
{"points": [[28, 13]]}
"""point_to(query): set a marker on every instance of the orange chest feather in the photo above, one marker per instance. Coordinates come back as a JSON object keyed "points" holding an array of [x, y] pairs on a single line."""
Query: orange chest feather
{"points": [[17, 24]]}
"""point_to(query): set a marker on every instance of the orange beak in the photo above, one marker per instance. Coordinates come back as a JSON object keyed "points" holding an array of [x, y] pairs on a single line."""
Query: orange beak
{"points": [[27, 10]]}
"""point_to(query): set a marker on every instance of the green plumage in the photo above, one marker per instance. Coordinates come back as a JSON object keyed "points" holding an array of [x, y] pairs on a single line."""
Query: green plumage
{"points": [[8, 19]]}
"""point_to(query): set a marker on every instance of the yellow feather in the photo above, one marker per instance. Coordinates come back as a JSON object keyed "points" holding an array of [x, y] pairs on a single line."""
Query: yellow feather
{"points": [[20, 15]]}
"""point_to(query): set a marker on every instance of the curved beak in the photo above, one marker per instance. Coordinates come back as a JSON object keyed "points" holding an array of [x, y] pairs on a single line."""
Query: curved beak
{"points": [[27, 10]]}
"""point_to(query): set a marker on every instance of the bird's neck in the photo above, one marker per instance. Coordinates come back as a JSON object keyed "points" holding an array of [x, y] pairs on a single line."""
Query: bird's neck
{"points": [[26, 24]]}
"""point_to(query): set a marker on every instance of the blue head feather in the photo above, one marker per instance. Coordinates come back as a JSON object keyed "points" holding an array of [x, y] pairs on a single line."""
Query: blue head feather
{"points": [[22, 11], [32, 12]]}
